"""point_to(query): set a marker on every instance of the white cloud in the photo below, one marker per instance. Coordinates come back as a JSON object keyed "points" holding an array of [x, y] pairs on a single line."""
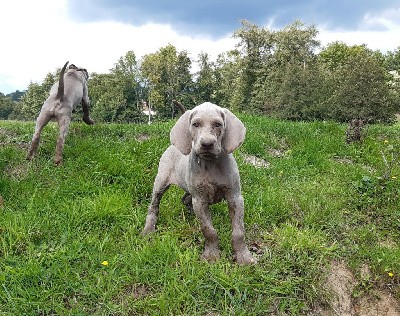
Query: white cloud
{"points": [[385, 39], [42, 37], [39, 36]]}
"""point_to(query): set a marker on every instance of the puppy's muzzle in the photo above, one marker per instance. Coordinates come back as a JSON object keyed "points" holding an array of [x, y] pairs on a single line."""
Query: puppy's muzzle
{"points": [[208, 148]]}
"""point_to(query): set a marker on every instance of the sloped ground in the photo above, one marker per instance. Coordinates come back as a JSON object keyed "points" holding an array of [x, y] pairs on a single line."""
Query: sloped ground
{"points": [[309, 198], [341, 285]]}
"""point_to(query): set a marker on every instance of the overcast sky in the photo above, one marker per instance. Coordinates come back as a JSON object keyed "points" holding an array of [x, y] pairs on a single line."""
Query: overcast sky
{"points": [[38, 36]]}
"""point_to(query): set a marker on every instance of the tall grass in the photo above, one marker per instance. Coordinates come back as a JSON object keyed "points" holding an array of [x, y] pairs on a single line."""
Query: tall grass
{"points": [[69, 235]]}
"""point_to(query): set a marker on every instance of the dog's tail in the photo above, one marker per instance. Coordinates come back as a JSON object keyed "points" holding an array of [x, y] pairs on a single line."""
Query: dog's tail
{"points": [[60, 91], [179, 105]]}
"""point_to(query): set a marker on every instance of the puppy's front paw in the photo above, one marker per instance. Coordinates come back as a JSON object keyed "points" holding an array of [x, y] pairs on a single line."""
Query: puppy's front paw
{"points": [[147, 230], [211, 254], [58, 161], [244, 257], [150, 225]]}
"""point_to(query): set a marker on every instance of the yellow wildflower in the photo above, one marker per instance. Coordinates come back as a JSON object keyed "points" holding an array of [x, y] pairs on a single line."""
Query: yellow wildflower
{"points": [[105, 263], [394, 177], [391, 274], [385, 141]]}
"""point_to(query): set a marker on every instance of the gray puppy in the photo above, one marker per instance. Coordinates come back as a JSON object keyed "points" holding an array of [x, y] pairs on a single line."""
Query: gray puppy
{"points": [[200, 161], [64, 96]]}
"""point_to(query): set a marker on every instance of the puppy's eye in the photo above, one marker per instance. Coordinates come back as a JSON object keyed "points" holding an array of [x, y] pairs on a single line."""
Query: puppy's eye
{"points": [[217, 124], [195, 124]]}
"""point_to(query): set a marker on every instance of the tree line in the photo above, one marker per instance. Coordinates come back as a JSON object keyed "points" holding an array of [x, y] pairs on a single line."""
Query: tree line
{"points": [[281, 73]]}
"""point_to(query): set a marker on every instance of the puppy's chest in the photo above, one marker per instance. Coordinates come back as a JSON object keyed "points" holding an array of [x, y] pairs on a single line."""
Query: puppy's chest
{"points": [[212, 185]]}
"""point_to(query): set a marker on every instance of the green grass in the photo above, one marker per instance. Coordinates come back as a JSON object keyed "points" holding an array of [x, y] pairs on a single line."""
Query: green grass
{"points": [[320, 200]]}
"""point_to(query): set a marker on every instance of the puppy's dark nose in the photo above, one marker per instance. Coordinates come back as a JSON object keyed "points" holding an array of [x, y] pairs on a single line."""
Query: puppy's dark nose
{"points": [[207, 144]]}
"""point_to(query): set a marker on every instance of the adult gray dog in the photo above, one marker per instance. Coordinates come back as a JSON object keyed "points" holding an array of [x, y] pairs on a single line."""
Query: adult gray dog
{"points": [[64, 96], [200, 161]]}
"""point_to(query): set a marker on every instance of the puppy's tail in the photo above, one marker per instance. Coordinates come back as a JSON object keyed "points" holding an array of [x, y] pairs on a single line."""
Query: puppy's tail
{"points": [[179, 105], [60, 91]]}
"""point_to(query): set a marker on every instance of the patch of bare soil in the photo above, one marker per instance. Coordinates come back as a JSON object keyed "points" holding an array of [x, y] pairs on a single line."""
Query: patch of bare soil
{"points": [[11, 138], [142, 137], [377, 303], [343, 160], [281, 150], [18, 171], [388, 243], [276, 152], [134, 291], [341, 284], [348, 161], [255, 161]]}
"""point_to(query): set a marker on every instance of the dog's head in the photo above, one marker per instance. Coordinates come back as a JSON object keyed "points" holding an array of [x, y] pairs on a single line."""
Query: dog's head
{"points": [[208, 130], [80, 70]]}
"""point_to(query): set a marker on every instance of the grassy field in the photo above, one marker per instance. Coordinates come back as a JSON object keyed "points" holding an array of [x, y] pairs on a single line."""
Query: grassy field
{"points": [[70, 239]]}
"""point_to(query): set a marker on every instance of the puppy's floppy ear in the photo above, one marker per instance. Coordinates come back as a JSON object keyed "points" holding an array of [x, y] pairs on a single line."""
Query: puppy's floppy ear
{"points": [[235, 132], [180, 135], [72, 66]]}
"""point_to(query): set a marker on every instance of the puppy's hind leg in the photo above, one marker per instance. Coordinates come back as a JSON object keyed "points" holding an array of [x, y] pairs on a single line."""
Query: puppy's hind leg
{"points": [[187, 201], [85, 106], [161, 184], [41, 122], [63, 123]]}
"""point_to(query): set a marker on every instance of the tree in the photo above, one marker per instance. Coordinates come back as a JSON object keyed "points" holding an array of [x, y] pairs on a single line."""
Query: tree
{"points": [[273, 62], [32, 100], [128, 75], [117, 96], [205, 84], [16, 96], [106, 95], [392, 60], [228, 80], [168, 76], [359, 84], [6, 106]]}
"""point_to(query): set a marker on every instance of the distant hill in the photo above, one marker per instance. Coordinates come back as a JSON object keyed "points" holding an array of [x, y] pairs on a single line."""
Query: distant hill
{"points": [[16, 96]]}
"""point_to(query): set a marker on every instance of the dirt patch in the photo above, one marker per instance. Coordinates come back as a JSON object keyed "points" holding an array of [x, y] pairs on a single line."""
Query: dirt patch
{"points": [[348, 161], [11, 138], [135, 292], [388, 243], [255, 161], [343, 160], [142, 137], [341, 284], [279, 151], [276, 152], [19, 171], [377, 303], [257, 246]]}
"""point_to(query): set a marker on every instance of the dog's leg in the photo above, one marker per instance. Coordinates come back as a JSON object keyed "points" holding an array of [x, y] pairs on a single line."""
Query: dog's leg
{"points": [[85, 106], [63, 123], [242, 254], [41, 122], [187, 201], [161, 185], [211, 249]]}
